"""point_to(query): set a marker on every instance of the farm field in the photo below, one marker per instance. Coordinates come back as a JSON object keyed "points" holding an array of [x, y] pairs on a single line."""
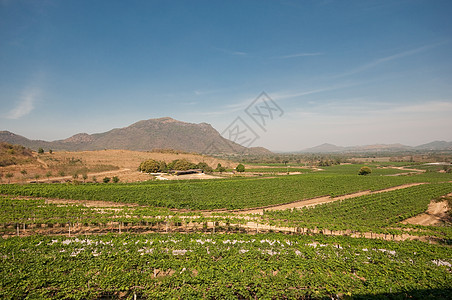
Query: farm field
{"points": [[221, 266], [236, 193], [195, 239]]}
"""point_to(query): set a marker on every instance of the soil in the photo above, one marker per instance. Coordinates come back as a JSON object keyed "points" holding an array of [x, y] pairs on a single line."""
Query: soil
{"points": [[126, 162], [437, 213]]}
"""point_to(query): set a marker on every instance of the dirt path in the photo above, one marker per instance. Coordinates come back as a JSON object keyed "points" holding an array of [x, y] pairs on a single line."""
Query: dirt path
{"points": [[322, 200]]}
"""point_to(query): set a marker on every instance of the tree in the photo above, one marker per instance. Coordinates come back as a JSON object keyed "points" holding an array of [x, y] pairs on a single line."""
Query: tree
{"points": [[106, 179], [9, 176], [84, 176], [41, 151], [163, 167], [75, 175], [50, 151], [181, 164], [205, 167], [95, 179], [115, 179], [240, 168], [364, 170], [149, 166], [220, 168]]}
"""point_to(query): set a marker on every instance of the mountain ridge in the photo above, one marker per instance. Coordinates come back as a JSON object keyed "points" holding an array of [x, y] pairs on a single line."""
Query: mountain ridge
{"points": [[331, 148], [144, 135]]}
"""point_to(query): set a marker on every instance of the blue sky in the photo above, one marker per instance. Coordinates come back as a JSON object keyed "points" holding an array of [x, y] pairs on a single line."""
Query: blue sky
{"points": [[343, 72]]}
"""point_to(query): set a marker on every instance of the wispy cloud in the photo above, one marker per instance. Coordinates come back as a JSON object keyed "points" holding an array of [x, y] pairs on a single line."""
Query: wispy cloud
{"points": [[302, 54], [288, 95], [25, 105], [231, 52], [386, 59]]}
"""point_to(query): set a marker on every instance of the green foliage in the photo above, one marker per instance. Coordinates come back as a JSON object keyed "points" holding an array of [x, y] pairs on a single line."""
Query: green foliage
{"points": [[240, 168], [106, 179], [115, 179], [41, 151], [223, 193], [365, 171], [149, 166], [181, 165], [204, 167], [220, 168], [373, 212], [233, 266], [163, 167]]}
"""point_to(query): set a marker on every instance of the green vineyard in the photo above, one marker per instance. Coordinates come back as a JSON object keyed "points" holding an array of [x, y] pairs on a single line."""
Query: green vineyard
{"points": [[233, 266], [221, 194]]}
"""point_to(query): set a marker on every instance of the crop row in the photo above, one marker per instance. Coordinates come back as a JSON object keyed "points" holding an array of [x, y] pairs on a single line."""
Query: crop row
{"points": [[220, 267], [369, 212], [219, 194]]}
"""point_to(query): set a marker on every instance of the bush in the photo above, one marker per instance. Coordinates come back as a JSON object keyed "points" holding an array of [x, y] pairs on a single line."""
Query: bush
{"points": [[181, 164], [40, 151], [205, 167], [106, 179], [150, 166], [364, 171], [115, 179], [220, 168], [240, 168]]}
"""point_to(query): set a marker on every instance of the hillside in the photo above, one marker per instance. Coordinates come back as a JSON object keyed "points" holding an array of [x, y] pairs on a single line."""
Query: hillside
{"points": [[14, 155], [146, 135]]}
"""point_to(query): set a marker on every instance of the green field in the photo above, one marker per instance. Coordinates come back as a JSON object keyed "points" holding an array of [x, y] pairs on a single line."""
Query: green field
{"points": [[233, 266], [378, 213], [214, 258], [222, 194]]}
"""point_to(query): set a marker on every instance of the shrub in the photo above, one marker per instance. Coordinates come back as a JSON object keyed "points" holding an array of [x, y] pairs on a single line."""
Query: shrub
{"points": [[115, 179], [364, 171], [106, 179], [181, 164], [149, 166], [240, 168], [40, 151], [205, 167]]}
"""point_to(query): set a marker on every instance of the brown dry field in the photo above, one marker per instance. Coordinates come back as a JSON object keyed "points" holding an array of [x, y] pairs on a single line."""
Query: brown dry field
{"points": [[120, 163]]}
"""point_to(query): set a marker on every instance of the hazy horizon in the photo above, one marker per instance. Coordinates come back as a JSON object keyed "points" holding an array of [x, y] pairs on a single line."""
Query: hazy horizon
{"points": [[346, 73]]}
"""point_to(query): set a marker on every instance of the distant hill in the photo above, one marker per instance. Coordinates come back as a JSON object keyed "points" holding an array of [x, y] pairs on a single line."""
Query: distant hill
{"points": [[330, 148], [436, 145], [324, 148], [146, 135]]}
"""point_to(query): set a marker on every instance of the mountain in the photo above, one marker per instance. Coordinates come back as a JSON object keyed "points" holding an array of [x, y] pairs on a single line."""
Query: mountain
{"points": [[436, 145], [324, 148], [146, 135], [330, 148]]}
